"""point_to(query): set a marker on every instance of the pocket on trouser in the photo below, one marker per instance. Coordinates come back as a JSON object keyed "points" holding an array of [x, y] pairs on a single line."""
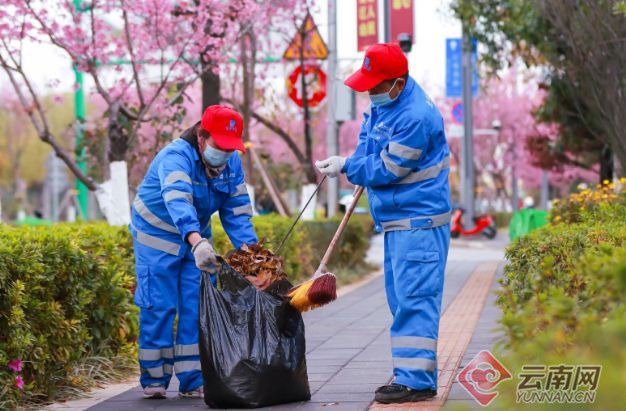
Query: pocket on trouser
{"points": [[143, 298], [421, 276]]}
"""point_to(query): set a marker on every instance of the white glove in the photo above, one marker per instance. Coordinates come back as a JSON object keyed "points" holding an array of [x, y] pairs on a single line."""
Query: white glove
{"points": [[204, 254], [331, 166]]}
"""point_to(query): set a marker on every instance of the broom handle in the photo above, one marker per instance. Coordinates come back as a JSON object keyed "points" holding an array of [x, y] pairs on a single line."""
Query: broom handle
{"points": [[333, 243], [299, 215]]}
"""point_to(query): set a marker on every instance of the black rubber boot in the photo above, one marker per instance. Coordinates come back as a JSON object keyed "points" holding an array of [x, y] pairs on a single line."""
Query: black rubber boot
{"points": [[396, 394]]}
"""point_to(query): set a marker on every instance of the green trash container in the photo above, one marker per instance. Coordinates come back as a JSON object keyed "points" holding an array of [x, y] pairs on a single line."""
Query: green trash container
{"points": [[33, 221], [526, 220]]}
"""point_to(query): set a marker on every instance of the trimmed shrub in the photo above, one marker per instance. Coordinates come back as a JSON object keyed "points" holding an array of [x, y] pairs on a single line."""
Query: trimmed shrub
{"points": [[308, 242], [65, 294], [563, 295], [66, 298]]}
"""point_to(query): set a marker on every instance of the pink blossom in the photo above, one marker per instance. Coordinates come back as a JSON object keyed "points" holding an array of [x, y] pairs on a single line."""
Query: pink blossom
{"points": [[19, 382], [15, 365]]}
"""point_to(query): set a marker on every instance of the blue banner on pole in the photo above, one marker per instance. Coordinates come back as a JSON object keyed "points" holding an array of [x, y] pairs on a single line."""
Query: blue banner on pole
{"points": [[454, 68]]}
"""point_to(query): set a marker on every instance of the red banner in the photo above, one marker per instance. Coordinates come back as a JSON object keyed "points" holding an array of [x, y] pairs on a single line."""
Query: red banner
{"points": [[401, 19], [366, 23]]}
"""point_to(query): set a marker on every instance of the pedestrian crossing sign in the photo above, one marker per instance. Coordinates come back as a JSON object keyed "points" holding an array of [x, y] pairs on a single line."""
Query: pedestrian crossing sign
{"points": [[313, 46]]}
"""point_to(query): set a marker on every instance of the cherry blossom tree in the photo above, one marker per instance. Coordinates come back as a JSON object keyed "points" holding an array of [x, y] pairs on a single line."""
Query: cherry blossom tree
{"points": [[142, 56], [497, 151]]}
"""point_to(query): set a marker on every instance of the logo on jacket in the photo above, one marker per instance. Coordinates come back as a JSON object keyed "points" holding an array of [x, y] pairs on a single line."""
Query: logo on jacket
{"points": [[232, 126], [366, 64]]}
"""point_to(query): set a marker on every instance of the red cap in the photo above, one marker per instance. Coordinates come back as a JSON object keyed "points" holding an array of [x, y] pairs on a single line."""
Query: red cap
{"points": [[382, 62], [225, 125]]}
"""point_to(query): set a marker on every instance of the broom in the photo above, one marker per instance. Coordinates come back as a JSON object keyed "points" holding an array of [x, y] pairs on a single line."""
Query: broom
{"points": [[322, 287]]}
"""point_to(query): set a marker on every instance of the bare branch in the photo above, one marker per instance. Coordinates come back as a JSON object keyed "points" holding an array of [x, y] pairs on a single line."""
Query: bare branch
{"points": [[280, 132]]}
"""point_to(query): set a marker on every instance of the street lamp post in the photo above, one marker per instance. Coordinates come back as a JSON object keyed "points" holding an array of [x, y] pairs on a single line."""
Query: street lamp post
{"points": [[331, 123], [79, 113], [467, 159]]}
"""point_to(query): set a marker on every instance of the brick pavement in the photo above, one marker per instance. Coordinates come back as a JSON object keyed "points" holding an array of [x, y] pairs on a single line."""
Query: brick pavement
{"points": [[348, 350]]}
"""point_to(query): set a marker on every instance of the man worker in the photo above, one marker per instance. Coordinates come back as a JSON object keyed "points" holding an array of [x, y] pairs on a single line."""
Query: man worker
{"points": [[188, 180], [403, 160]]}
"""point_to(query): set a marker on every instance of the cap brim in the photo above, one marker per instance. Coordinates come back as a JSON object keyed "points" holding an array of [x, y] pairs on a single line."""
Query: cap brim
{"points": [[359, 81], [228, 143]]}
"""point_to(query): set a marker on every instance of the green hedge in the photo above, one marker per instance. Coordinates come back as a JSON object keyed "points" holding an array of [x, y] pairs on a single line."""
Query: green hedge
{"points": [[66, 297], [307, 244], [564, 293]]}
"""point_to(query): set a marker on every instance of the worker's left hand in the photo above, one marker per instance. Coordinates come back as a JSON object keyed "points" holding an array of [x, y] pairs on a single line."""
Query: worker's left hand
{"points": [[331, 166]]}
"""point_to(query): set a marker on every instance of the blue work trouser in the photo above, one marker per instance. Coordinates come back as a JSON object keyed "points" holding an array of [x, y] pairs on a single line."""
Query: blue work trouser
{"points": [[415, 262], [167, 285]]}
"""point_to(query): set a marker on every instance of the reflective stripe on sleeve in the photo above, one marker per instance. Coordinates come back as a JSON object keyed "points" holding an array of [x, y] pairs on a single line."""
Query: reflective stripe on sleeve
{"points": [[186, 349], [403, 151], [419, 343], [427, 173], [392, 166], [175, 176], [147, 215], [415, 363], [174, 194], [154, 354], [244, 209], [240, 190], [184, 366], [158, 243]]}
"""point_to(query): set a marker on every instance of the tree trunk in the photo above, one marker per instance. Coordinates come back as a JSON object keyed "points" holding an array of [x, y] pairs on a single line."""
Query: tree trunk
{"points": [[606, 164], [248, 60], [118, 138], [210, 85]]}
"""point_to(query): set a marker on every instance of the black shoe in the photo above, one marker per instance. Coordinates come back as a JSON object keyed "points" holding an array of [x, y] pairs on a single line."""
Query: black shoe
{"points": [[397, 393]]}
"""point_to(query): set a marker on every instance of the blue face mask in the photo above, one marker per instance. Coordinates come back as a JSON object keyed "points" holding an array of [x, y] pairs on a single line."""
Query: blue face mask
{"points": [[382, 99], [215, 157]]}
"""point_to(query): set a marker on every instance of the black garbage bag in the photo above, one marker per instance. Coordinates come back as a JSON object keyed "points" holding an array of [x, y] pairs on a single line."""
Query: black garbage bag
{"points": [[252, 346]]}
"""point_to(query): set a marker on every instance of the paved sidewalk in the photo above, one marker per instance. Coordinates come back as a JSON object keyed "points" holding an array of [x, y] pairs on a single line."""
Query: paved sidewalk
{"points": [[348, 351]]}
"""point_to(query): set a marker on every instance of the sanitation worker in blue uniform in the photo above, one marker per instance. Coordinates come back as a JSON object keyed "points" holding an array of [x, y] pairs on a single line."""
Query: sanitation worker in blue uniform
{"points": [[403, 160], [190, 179]]}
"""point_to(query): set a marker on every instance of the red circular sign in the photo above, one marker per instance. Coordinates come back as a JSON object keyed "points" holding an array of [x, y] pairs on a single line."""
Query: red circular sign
{"points": [[315, 85]]}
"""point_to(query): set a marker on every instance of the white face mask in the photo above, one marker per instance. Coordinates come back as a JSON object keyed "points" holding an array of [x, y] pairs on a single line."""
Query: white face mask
{"points": [[215, 157], [382, 99]]}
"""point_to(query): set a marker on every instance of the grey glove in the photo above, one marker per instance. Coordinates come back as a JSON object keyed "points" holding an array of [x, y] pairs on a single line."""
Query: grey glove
{"points": [[204, 254], [331, 166]]}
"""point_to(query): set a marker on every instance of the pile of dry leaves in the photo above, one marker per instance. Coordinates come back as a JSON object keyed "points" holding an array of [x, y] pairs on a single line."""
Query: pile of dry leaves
{"points": [[258, 265]]}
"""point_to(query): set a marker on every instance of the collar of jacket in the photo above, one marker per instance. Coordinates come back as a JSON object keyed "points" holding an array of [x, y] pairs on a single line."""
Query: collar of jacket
{"points": [[191, 136], [404, 95]]}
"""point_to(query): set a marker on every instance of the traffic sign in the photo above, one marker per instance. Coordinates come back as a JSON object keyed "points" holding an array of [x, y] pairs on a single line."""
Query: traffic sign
{"points": [[457, 112], [315, 79], [314, 46], [454, 68]]}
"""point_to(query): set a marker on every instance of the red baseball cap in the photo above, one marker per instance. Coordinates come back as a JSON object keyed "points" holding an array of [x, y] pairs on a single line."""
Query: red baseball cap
{"points": [[382, 62], [225, 125]]}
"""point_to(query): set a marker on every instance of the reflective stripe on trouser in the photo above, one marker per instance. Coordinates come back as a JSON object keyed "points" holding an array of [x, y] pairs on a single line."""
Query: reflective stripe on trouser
{"points": [[415, 262], [167, 284]]}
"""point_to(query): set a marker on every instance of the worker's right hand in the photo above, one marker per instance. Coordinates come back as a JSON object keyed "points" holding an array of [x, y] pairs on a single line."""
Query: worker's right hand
{"points": [[332, 166], [204, 255]]}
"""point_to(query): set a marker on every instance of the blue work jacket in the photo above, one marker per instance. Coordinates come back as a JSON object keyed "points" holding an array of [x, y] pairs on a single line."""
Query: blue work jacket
{"points": [[176, 198], [403, 160]]}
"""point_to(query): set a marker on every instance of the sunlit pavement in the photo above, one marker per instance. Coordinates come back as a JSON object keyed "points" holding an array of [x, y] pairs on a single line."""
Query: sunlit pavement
{"points": [[348, 347]]}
